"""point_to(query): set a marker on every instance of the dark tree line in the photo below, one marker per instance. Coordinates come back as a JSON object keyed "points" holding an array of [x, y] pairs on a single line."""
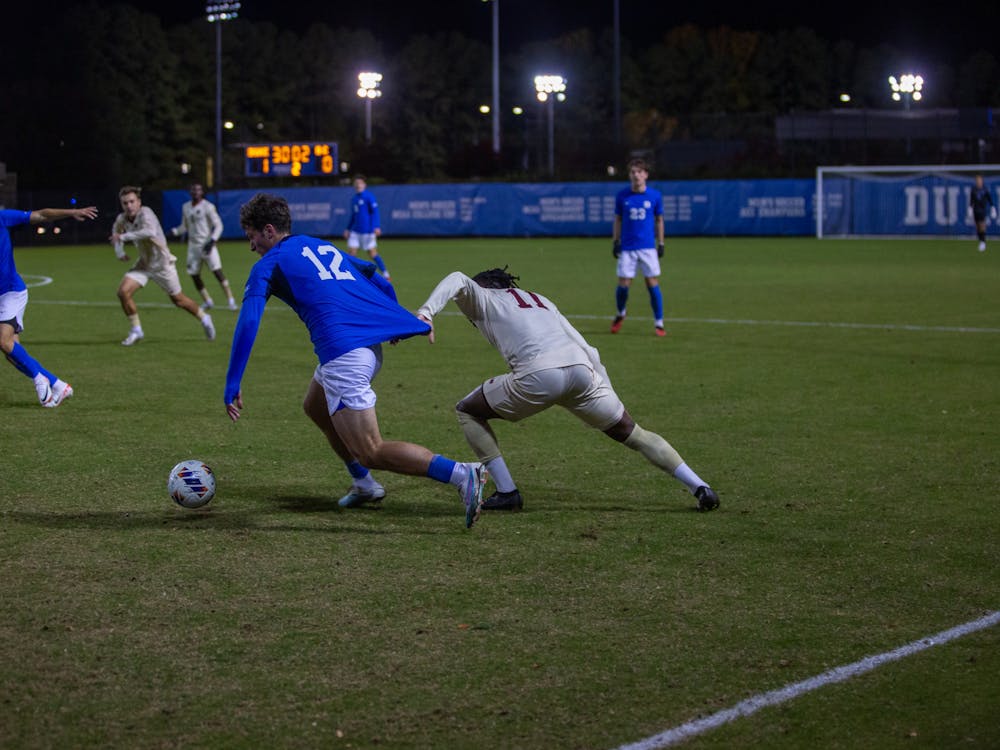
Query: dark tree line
{"points": [[107, 95]]}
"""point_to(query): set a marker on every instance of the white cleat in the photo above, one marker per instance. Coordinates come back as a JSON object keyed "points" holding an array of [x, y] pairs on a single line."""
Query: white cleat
{"points": [[207, 305], [472, 492], [206, 323], [982, 247], [134, 336], [60, 392], [232, 305], [44, 390]]}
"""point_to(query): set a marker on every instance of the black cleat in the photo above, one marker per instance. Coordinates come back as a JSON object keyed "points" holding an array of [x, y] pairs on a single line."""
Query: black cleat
{"points": [[504, 501], [707, 499]]}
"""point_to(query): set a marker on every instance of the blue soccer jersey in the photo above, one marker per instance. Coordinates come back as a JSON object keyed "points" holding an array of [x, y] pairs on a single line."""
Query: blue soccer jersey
{"points": [[344, 302], [10, 279], [638, 212], [364, 213]]}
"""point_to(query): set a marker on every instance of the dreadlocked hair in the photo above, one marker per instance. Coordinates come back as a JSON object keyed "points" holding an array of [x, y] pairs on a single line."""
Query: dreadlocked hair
{"points": [[496, 278]]}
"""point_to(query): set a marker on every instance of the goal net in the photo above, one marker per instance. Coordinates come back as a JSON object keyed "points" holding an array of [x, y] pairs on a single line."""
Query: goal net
{"points": [[918, 201]]}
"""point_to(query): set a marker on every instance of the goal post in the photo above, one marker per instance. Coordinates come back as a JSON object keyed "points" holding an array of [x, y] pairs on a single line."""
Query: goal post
{"points": [[900, 201]]}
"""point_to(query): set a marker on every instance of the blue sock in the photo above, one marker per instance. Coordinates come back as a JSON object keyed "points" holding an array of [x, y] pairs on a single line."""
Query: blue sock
{"points": [[441, 469], [356, 470], [656, 300], [621, 297], [24, 362], [377, 260]]}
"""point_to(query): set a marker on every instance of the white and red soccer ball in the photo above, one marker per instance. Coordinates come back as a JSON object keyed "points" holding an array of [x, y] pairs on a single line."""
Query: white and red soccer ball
{"points": [[191, 483]]}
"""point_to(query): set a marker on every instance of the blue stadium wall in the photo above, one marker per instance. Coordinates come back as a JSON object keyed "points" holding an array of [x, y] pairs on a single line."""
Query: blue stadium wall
{"points": [[908, 206], [581, 209]]}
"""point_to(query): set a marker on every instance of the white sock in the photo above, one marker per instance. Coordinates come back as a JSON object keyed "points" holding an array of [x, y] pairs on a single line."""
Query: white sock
{"points": [[460, 474], [501, 474], [686, 475], [367, 483]]}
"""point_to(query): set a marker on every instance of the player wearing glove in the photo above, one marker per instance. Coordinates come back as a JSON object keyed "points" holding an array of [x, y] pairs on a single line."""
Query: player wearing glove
{"points": [[637, 236], [980, 206], [201, 223]]}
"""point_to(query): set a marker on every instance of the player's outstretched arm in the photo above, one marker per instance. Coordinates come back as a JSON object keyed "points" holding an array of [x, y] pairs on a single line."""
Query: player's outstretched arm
{"points": [[430, 322], [243, 339], [54, 214]]}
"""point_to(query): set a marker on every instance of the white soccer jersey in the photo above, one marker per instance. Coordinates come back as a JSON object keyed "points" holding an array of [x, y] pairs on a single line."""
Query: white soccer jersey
{"points": [[525, 327], [200, 222], [147, 235]]}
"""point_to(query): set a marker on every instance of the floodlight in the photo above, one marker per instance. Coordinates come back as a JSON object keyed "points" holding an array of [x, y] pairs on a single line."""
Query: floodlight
{"points": [[549, 89]]}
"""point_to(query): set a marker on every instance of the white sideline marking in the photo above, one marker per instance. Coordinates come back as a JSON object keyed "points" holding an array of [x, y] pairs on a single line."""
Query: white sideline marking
{"points": [[794, 323], [636, 318], [794, 690]]}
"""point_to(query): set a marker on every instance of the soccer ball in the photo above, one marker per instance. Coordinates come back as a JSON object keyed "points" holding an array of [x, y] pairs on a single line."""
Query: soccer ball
{"points": [[191, 483]]}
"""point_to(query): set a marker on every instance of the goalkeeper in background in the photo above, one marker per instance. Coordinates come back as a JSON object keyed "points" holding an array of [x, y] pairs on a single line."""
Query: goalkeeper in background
{"points": [[981, 206], [201, 223]]}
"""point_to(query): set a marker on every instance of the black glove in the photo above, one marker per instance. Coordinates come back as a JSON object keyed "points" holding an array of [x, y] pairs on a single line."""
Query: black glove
{"points": [[616, 248], [659, 250], [207, 247]]}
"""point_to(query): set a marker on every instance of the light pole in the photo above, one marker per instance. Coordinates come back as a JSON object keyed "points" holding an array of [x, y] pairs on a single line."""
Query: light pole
{"points": [[368, 89], [908, 87], [496, 75], [617, 74], [217, 13], [549, 88]]}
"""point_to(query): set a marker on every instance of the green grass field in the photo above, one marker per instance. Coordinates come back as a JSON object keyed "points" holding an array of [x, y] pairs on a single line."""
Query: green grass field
{"points": [[842, 396]]}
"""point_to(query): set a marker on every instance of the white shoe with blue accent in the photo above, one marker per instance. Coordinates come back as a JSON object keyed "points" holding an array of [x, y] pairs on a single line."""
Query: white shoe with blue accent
{"points": [[358, 497], [472, 492]]}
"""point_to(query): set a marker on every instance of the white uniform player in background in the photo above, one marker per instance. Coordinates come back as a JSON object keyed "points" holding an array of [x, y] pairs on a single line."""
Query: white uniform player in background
{"points": [[550, 364], [138, 224], [201, 223]]}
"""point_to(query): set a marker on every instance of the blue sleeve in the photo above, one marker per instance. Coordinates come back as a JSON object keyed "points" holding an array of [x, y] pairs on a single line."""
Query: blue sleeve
{"points": [[243, 337], [376, 220], [370, 272]]}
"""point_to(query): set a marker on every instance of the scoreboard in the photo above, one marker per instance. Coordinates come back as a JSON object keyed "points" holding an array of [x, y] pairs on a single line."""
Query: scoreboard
{"points": [[312, 159]]}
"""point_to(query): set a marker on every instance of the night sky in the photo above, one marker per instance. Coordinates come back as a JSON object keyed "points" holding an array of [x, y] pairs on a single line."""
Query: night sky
{"points": [[918, 29]]}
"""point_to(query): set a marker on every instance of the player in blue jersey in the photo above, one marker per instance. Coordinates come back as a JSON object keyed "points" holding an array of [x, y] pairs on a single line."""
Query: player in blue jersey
{"points": [[637, 242], [980, 206], [365, 226], [51, 390], [349, 310]]}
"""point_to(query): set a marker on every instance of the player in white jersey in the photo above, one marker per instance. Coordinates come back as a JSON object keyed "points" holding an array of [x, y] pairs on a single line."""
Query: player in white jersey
{"points": [[139, 225], [201, 223], [550, 365]]}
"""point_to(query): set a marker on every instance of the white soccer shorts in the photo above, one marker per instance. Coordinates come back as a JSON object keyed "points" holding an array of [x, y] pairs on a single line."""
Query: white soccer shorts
{"points": [[347, 380], [165, 278], [363, 241], [196, 259], [645, 260], [12, 306], [576, 388]]}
